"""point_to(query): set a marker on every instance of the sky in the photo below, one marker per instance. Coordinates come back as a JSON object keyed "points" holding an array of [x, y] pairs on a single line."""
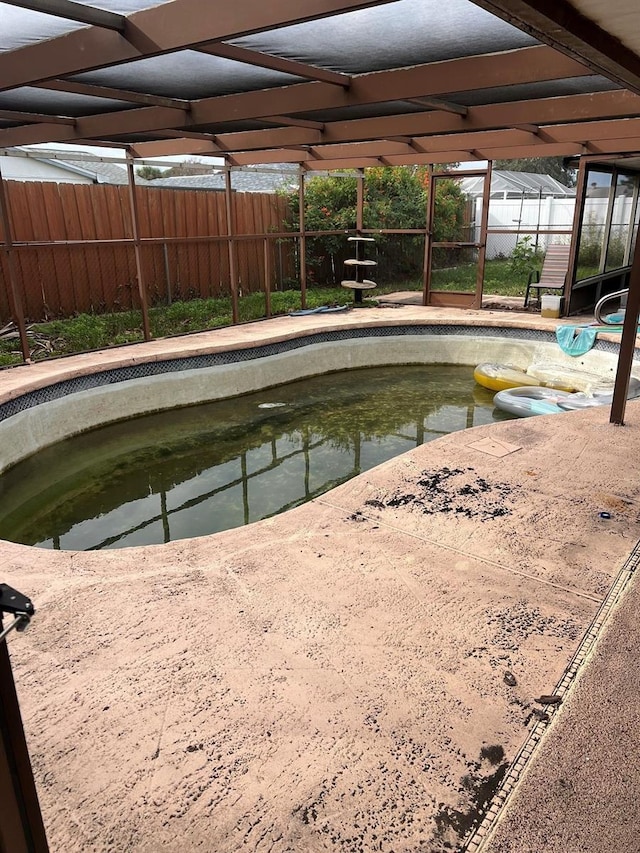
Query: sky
{"points": [[99, 151], [181, 158]]}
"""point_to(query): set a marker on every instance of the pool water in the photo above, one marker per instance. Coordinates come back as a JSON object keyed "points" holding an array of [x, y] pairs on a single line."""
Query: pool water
{"points": [[203, 469]]}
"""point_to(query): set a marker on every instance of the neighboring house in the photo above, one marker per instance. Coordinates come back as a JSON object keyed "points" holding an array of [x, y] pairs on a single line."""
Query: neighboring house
{"points": [[521, 203], [517, 185], [266, 179], [43, 168]]}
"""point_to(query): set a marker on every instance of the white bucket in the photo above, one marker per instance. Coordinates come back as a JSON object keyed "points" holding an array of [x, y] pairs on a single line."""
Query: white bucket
{"points": [[550, 306]]}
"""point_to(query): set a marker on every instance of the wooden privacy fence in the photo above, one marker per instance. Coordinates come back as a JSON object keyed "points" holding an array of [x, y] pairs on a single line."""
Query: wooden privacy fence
{"points": [[74, 251]]}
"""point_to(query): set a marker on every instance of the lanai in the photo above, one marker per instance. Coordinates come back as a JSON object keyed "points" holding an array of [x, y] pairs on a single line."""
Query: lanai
{"points": [[258, 84]]}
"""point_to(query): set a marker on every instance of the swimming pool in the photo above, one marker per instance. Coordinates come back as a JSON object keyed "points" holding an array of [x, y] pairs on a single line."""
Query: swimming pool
{"points": [[202, 469]]}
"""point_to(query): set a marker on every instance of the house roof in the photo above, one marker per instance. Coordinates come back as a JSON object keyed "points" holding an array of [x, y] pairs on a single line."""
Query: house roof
{"points": [[279, 176], [520, 184], [101, 173], [326, 83]]}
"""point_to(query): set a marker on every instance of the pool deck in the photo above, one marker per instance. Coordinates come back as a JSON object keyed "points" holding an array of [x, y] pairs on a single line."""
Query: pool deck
{"points": [[359, 673]]}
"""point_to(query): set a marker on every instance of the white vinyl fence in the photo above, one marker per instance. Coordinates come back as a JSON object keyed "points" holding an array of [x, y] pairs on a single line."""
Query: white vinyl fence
{"points": [[522, 216]]}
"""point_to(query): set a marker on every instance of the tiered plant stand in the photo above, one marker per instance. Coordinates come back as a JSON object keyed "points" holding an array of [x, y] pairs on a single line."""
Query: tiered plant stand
{"points": [[359, 265]]}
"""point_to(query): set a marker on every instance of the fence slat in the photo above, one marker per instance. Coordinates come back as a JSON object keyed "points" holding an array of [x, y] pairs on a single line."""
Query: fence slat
{"points": [[63, 280]]}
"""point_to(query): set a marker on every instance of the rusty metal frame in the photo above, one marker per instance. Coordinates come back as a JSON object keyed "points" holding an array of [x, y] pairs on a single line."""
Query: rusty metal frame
{"points": [[576, 228]]}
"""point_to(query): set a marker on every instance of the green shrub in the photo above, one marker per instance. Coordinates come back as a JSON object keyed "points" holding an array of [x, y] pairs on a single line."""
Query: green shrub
{"points": [[524, 258], [395, 197]]}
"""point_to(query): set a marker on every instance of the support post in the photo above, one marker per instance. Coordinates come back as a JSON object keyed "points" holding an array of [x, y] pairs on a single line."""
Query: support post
{"points": [[142, 289], [360, 201], [428, 238], [231, 244], [578, 214], [628, 342], [484, 222], [15, 298], [303, 239], [167, 272], [267, 277], [21, 826]]}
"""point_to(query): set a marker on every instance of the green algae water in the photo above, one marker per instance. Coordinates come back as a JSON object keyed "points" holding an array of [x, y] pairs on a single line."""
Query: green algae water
{"points": [[199, 470]]}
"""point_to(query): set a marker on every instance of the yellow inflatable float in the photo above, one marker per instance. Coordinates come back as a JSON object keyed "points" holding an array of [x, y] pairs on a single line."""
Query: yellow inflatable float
{"points": [[500, 377]]}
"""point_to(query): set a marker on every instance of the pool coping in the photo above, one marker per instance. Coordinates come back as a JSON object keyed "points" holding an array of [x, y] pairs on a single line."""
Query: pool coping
{"points": [[19, 386], [17, 380]]}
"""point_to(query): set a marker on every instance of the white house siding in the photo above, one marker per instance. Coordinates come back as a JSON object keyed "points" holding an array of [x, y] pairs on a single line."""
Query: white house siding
{"points": [[28, 169]]}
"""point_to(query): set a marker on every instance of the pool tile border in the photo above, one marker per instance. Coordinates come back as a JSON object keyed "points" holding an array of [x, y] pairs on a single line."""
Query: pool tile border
{"points": [[102, 378]]}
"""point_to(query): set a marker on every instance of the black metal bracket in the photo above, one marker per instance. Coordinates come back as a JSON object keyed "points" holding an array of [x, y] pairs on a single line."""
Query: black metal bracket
{"points": [[16, 604]]}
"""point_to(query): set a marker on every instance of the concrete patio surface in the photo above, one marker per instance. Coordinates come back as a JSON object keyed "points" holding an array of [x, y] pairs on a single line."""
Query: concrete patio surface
{"points": [[363, 672]]}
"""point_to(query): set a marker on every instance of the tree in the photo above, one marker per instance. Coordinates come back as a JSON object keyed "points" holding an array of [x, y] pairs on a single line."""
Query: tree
{"points": [[189, 167], [149, 173], [553, 166], [395, 197]]}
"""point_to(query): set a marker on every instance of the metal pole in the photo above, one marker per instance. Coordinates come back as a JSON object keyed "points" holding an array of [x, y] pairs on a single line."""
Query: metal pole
{"points": [[21, 826], [428, 238], [303, 239], [142, 290], [267, 277], [231, 246], [576, 228], [14, 290], [484, 222], [360, 202], [628, 342], [167, 273], [609, 220]]}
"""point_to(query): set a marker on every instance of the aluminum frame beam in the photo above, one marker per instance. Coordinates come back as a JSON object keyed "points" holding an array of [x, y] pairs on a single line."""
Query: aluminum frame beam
{"points": [[161, 29], [438, 132], [275, 63], [83, 14], [561, 25], [526, 65]]}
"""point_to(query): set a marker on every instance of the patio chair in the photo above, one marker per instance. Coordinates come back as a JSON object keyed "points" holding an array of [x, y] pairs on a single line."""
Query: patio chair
{"points": [[554, 271]]}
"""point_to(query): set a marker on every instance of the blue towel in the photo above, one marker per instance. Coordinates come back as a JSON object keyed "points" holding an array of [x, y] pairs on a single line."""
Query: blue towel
{"points": [[576, 340]]}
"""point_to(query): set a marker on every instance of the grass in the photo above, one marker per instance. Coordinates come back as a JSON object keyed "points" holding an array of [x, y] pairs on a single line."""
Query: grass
{"points": [[498, 279], [96, 331]]}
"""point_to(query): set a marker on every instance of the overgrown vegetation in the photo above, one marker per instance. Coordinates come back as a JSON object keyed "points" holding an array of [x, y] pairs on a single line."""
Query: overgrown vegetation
{"points": [[395, 197], [96, 331], [188, 167], [525, 258]]}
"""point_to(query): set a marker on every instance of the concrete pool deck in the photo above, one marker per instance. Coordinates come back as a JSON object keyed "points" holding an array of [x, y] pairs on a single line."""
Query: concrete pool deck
{"points": [[359, 673]]}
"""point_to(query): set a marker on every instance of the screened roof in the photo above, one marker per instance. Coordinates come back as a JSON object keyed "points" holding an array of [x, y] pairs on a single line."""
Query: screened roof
{"points": [[324, 83]]}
